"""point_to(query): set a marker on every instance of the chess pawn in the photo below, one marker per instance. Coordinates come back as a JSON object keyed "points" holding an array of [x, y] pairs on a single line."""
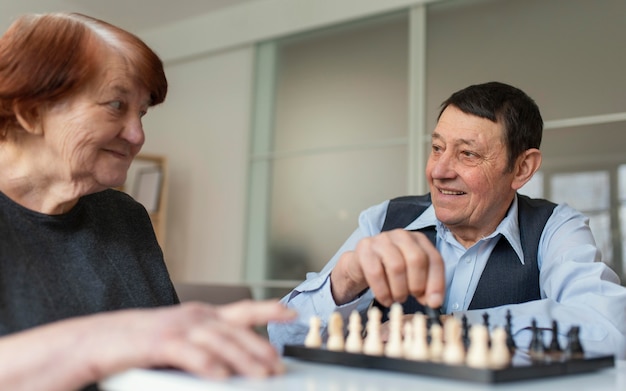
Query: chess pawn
{"points": [[313, 338], [394, 348], [354, 342], [554, 349], [536, 349], [373, 344], [478, 351], [435, 349], [499, 355], [453, 350], [419, 348], [335, 333], [574, 349]]}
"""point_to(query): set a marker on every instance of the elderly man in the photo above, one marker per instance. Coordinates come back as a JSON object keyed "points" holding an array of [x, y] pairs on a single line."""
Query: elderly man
{"points": [[473, 245]]}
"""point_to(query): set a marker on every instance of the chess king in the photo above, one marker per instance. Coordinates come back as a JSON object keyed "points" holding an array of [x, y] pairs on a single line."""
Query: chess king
{"points": [[473, 244]]}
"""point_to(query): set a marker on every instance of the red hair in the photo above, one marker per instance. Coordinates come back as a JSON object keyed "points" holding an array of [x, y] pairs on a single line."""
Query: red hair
{"points": [[44, 58]]}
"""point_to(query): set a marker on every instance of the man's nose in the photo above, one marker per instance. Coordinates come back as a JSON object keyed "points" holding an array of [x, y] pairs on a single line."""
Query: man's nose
{"points": [[443, 166]]}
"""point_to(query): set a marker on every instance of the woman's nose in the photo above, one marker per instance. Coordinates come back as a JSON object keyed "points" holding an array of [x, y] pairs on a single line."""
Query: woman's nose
{"points": [[133, 131]]}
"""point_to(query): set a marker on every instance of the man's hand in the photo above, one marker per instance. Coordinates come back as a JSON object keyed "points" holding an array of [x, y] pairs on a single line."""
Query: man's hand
{"points": [[393, 264]]}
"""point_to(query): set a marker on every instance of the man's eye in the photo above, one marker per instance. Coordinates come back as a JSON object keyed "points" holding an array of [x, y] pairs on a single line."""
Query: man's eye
{"points": [[116, 104]]}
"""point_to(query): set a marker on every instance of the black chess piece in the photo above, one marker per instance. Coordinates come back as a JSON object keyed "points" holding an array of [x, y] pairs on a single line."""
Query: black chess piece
{"points": [[465, 331], [432, 315], [510, 342], [555, 347], [536, 349], [574, 349], [486, 324]]}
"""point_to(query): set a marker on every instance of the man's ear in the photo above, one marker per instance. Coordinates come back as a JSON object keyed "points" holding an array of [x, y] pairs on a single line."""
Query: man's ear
{"points": [[527, 165], [29, 118]]}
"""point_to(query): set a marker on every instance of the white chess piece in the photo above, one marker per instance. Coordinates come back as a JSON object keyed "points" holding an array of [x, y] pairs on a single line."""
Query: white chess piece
{"points": [[335, 333], [500, 356], [313, 338], [453, 350], [419, 348], [394, 343], [354, 342], [435, 350], [478, 351], [373, 344]]}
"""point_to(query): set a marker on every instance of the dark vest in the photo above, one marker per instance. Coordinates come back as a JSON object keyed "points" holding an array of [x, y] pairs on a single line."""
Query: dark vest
{"points": [[505, 279]]}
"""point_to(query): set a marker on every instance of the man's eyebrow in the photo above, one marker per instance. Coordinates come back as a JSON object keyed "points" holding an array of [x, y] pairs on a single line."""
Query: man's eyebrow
{"points": [[461, 141]]}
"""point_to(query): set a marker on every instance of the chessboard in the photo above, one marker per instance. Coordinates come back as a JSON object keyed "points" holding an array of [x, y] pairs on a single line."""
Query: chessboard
{"points": [[515, 372], [424, 345]]}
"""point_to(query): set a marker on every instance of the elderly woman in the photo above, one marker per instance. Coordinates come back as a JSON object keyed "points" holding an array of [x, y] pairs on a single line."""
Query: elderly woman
{"points": [[73, 91]]}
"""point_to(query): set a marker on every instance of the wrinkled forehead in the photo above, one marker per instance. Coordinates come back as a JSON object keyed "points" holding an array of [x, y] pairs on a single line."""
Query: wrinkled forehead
{"points": [[117, 75], [455, 124]]}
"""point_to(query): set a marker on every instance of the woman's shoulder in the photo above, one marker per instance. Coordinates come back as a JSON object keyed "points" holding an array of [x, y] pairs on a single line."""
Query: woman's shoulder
{"points": [[113, 201]]}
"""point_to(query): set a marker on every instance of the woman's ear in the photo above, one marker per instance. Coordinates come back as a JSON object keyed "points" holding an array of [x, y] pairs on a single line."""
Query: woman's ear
{"points": [[527, 165], [29, 118]]}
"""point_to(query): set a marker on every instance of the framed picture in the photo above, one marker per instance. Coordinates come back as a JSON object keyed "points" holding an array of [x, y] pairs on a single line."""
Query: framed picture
{"points": [[147, 187]]}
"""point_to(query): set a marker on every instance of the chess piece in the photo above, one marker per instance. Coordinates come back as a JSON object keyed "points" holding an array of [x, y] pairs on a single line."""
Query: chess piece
{"points": [[486, 320], [432, 316], [313, 338], [335, 333], [510, 342], [536, 349], [435, 350], [499, 355], [419, 349], [354, 342], [478, 352], [465, 331], [373, 344], [574, 349], [554, 352], [394, 348], [453, 350], [555, 348], [486, 324]]}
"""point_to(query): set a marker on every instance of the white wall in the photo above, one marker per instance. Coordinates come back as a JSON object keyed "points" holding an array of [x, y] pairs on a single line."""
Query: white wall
{"points": [[203, 127]]}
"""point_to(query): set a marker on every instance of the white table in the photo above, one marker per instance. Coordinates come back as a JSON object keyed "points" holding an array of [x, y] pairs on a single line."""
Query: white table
{"points": [[308, 376]]}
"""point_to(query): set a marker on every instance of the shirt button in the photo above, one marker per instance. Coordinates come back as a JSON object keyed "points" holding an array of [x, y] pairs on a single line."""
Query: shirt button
{"points": [[455, 306]]}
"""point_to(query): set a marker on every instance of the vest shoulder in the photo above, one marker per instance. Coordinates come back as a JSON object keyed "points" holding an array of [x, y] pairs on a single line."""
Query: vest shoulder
{"points": [[535, 202], [403, 210], [423, 199]]}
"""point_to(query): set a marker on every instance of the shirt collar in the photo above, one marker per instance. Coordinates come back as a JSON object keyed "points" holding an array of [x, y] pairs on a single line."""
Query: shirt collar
{"points": [[508, 227]]}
